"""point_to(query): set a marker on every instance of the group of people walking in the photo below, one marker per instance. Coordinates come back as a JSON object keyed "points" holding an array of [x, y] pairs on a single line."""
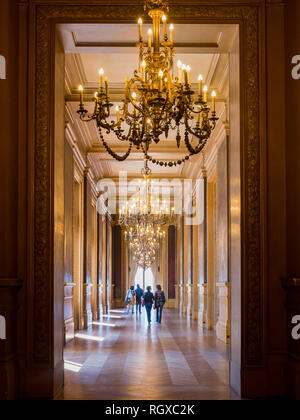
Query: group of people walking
{"points": [[149, 300]]}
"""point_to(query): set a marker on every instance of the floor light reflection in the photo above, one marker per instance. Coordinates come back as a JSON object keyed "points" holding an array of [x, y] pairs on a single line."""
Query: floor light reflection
{"points": [[117, 311], [89, 337], [112, 316], [104, 324], [72, 366]]}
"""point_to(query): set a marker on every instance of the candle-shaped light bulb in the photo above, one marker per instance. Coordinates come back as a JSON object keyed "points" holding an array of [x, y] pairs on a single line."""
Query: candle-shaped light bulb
{"points": [[184, 69], [101, 73], [164, 19], [106, 87], [171, 33], [200, 80], [188, 71], [205, 89], [213, 106], [118, 113], [179, 66], [140, 22], [144, 71], [81, 94], [149, 38]]}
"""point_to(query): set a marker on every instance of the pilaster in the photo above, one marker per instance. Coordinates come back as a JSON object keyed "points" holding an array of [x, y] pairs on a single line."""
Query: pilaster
{"points": [[202, 313], [69, 324], [223, 324], [87, 305]]}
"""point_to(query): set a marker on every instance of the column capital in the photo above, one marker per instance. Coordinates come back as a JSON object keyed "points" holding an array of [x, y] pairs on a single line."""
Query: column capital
{"points": [[204, 172], [86, 171]]}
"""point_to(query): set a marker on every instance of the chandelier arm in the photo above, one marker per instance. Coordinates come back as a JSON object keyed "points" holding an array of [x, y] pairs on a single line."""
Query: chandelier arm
{"points": [[128, 95], [194, 111], [179, 115], [121, 137], [124, 110], [169, 108], [190, 148], [163, 108], [199, 136], [89, 118]]}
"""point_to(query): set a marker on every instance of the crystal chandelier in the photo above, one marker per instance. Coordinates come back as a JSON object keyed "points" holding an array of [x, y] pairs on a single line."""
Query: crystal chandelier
{"points": [[144, 245], [144, 221], [145, 213], [158, 99]]}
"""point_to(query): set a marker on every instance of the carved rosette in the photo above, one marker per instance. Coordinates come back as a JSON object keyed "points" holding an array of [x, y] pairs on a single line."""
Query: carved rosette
{"points": [[247, 16]]}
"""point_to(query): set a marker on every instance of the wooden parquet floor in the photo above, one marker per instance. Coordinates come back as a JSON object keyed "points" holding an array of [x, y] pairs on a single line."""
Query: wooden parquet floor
{"points": [[121, 358]]}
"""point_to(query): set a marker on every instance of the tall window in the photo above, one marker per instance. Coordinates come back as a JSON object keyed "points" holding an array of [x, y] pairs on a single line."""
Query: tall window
{"points": [[149, 278]]}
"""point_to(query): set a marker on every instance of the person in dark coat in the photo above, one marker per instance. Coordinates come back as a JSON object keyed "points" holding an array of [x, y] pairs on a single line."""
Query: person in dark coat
{"points": [[148, 301], [138, 298], [160, 300]]}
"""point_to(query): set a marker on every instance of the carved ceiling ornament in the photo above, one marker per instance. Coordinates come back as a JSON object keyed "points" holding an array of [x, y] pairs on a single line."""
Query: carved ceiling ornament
{"points": [[157, 4], [46, 16]]}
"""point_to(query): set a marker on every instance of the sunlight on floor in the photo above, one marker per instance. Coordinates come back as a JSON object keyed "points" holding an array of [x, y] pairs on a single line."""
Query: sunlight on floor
{"points": [[175, 360], [72, 366], [117, 311], [104, 324], [112, 316], [89, 337]]}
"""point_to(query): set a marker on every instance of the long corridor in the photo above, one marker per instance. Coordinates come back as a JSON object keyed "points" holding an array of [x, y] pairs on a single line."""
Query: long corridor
{"points": [[120, 357]]}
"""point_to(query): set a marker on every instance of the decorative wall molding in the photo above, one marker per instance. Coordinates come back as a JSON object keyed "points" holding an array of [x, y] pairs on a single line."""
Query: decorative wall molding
{"points": [[80, 162]]}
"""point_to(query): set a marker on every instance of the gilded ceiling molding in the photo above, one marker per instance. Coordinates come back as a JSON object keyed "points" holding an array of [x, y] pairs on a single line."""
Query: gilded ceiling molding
{"points": [[46, 15]]}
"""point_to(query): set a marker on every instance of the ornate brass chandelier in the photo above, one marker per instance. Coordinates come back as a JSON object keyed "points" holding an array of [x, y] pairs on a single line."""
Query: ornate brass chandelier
{"points": [[157, 99]]}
